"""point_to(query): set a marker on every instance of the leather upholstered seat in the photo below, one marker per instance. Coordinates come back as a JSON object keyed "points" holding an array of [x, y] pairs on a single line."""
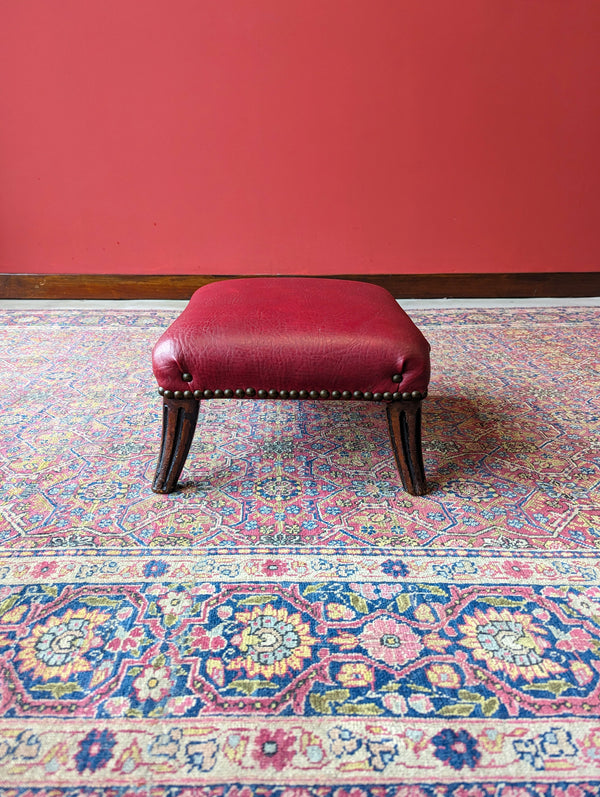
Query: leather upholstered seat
{"points": [[292, 338]]}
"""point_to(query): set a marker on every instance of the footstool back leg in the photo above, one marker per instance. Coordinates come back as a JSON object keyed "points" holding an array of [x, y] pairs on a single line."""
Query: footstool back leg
{"points": [[179, 424], [404, 421]]}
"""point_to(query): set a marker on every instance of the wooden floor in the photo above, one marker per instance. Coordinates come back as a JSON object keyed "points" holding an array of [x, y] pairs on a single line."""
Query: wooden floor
{"points": [[417, 304]]}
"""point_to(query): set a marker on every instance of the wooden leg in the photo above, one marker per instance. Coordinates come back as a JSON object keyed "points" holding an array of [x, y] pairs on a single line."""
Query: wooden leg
{"points": [[404, 421], [179, 424]]}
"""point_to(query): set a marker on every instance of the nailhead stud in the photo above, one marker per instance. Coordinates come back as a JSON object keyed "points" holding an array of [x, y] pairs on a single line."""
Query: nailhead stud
{"points": [[368, 395], [168, 394], [346, 394], [415, 394], [387, 396], [284, 394], [294, 394], [161, 390], [405, 396], [250, 392], [239, 393], [396, 396], [228, 393], [198, 394], [187, 377], [188, 394], [303, 394], [397, 378], [357, 395], [262, 394], [178, 394], [219, 393], [314, 394], [377, 396], [324, 394], [273, 394], [335, 394]]}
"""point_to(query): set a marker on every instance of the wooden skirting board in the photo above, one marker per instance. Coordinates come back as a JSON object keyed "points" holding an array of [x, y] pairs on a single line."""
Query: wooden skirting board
{"points": [[402, 286]]}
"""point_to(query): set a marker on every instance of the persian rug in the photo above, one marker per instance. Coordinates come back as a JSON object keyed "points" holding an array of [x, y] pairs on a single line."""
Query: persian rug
{"points": [[291, 623]]}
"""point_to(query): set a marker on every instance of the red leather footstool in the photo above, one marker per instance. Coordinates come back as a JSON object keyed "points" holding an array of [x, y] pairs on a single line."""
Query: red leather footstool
{"points": [[292, 338]]}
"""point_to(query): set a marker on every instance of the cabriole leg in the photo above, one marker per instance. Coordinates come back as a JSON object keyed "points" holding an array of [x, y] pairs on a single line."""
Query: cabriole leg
{"points": [[179, 424], [404, 421]]}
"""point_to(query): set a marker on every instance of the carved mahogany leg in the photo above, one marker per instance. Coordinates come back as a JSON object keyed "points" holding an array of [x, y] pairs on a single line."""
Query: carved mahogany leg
{"points": [[404, 421], [179, 424]]}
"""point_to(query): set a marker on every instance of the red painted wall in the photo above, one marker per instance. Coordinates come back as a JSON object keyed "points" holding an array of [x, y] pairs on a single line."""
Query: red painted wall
{"points": [[306, 136]]}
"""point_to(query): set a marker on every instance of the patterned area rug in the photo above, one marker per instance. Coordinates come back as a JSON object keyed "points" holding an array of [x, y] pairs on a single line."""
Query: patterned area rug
{"points": [[291, 623]]}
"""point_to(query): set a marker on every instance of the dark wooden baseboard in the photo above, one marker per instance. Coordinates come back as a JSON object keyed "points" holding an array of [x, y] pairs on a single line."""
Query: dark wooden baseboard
{"points": [[402, 286]]}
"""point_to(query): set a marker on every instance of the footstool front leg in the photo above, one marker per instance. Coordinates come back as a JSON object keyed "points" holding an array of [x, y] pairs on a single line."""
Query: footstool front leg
{"points": [[179, 424], [404, 421]]}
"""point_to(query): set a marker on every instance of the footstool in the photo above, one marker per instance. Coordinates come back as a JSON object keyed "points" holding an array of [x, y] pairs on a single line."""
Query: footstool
{"points": [[296, 338]]}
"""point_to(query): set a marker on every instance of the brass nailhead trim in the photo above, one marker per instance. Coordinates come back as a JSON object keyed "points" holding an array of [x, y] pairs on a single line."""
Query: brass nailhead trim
{"points": [[187, 377], [250, 392]]}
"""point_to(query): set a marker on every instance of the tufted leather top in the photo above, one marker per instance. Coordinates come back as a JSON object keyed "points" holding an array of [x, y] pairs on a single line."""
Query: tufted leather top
{"points": [[292, 333]]}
